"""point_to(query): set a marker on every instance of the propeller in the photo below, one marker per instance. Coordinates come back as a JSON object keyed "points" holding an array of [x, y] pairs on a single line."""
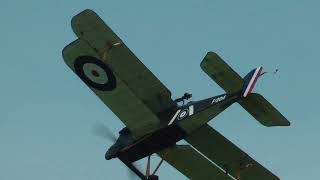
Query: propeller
{"points": [[102, 131]]}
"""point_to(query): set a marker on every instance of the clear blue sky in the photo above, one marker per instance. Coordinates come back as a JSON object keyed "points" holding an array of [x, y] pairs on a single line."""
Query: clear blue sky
{"points": [[47, 113]]}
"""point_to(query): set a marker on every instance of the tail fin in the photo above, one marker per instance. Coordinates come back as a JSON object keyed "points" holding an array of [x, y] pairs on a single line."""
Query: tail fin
{"points": [[250, 81]]}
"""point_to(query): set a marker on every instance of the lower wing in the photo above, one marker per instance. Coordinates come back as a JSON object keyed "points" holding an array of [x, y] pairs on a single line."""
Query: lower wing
{"points": [[227, 155], [192, 164]]}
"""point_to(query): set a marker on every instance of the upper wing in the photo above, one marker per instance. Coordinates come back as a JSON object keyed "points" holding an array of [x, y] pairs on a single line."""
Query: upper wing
{"points": [[117, 95], [263, 111], [90, 27], [221, 73], [115, 74], [228, 156], [192, 164]]}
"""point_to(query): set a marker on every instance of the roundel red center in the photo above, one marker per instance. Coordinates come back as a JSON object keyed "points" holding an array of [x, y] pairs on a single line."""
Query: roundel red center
{"points": [[95, 73]]}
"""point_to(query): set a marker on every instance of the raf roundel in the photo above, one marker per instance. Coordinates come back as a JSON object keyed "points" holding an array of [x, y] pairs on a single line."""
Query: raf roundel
{"points": [[183, 114], [95, 73]]}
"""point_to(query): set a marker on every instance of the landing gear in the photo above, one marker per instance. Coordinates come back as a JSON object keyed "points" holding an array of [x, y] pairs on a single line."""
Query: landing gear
{"points": [[148, 175], [153, 176]]}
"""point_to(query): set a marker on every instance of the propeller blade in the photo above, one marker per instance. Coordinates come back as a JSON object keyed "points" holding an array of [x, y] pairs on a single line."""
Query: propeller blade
{"points": [[101, 130]]}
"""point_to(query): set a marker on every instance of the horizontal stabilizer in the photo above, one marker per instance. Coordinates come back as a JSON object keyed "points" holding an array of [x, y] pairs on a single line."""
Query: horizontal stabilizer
{"points": [[221, 73], [263, 111]]}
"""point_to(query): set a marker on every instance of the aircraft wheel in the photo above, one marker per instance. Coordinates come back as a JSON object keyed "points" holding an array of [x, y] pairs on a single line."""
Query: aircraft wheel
{"points": [[153, 177]]}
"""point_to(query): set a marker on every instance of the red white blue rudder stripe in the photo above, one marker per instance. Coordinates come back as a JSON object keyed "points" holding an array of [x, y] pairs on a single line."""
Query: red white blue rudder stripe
{"points": [[251, 80]]}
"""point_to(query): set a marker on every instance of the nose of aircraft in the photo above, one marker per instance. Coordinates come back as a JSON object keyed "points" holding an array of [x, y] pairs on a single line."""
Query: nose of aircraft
{"points": [[108, 156], [111, 153]]}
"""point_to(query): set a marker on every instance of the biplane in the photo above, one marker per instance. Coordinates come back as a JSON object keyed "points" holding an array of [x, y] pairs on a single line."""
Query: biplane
{"points": [[154, 122]]}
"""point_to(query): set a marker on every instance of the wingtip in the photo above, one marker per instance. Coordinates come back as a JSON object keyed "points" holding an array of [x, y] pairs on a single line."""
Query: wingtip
{"points": [[75, 19], [209, 55], [64, 51], [288, 124]]}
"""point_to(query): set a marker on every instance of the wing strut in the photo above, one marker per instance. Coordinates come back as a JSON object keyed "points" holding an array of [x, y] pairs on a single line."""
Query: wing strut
{"points": [[157, 168]]}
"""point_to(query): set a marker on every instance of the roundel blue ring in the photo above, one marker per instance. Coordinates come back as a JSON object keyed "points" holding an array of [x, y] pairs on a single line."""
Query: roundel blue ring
{"points": [[78, 65]]}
